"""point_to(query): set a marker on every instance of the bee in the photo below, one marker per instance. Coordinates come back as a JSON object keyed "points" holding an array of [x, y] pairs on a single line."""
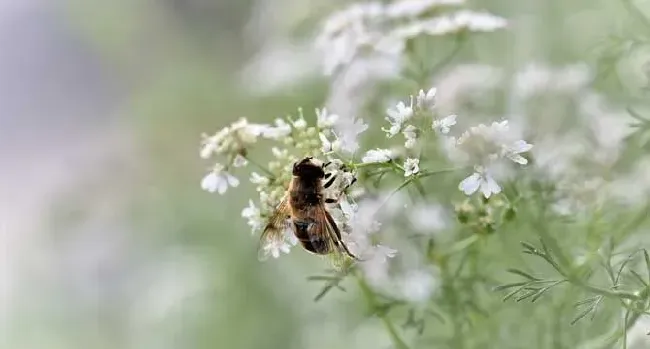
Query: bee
{"points": [[303, 212]]}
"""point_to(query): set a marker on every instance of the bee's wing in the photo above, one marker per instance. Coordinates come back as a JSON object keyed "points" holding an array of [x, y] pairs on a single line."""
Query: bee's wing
{"points": [[328, 233], [275, 228]]}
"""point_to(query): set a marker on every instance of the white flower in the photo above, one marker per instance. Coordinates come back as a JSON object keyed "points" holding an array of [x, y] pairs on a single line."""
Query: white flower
{"points": [[300, 123], [416, 286], [427, 218], [513, 150], [382, 253], [411, 135], [377, 156], [426, 99], [277, 132], [444, 125], [274, 247], [209, 147], [239, 161], [411, 167], [253, 215], [397, 117], [348, 130], [479, 180], [258, 179], [327, 146], [218, 180], [325, 120]]}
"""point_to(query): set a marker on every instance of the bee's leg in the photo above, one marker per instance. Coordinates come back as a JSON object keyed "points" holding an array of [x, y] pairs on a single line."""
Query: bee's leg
{"points": [[325, 164], [331, 201]]}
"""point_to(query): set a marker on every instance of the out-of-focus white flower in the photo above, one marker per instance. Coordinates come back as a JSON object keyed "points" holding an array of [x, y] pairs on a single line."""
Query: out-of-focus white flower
{"points": [[397, 117], [253, 215], [449, 24], [278, 132], [444, 125], [377, 156], [218, 180], [414, 8], [258, 179], [512, 151], [273, 247], [411, 135], [427, 218], [348, 131], [324, 120], [346, 31], [327, 146], [232, 139], [427, 99], [479, 180], [239, 161], [416, 286], [411, 167]]}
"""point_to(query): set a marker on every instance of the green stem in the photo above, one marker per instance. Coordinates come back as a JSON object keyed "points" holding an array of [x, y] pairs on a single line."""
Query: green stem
{"points": [[260, 167], [458, 45], [371, 300]]}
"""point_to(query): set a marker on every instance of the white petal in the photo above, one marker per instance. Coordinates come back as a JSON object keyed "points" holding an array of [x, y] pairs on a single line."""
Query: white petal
{"points": [[521, 147], [232, 180], [470, 184], [489, 187], [209, 182], [222, 186], [518, 159]]}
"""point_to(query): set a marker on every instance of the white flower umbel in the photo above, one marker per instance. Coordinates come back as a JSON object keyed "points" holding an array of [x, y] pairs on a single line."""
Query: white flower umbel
{"points": [[231, 140], [479, 180], [411, 167], [377, 156], [444, 125], [218, 180], [481, 146], [328, 146], [397, 116]]}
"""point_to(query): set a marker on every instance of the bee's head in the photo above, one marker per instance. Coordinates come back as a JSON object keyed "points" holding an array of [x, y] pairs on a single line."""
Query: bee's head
{"points": [[307, 168]]}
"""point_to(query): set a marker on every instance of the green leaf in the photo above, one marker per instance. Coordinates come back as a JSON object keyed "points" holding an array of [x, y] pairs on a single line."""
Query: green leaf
{"points": [[522, 273]]}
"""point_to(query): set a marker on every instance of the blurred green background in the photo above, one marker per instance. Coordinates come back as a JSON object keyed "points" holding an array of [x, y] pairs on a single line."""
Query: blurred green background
{"points": [[110, 242]]}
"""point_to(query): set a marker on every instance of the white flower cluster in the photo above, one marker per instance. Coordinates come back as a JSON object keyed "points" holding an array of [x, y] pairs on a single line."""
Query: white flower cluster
{"points": [[479, 147], [385, 28]]}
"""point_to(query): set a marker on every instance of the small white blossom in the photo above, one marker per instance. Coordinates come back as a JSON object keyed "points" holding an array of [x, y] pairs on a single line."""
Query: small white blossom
{"points": [[253, 215], [426, 100], [411, 167], [348, 131], [218, 180], [278, 132], [397, 117], [239, 161], [258, 179], [513, 150], [444, 125], [411, 135], [327, 146], [325, 120], [377, 156], [480, 180]]}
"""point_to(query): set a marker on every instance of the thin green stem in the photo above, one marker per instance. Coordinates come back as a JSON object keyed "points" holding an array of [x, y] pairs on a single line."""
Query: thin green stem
{"points": [[371, 300], [260, 167], [458, 45]]}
